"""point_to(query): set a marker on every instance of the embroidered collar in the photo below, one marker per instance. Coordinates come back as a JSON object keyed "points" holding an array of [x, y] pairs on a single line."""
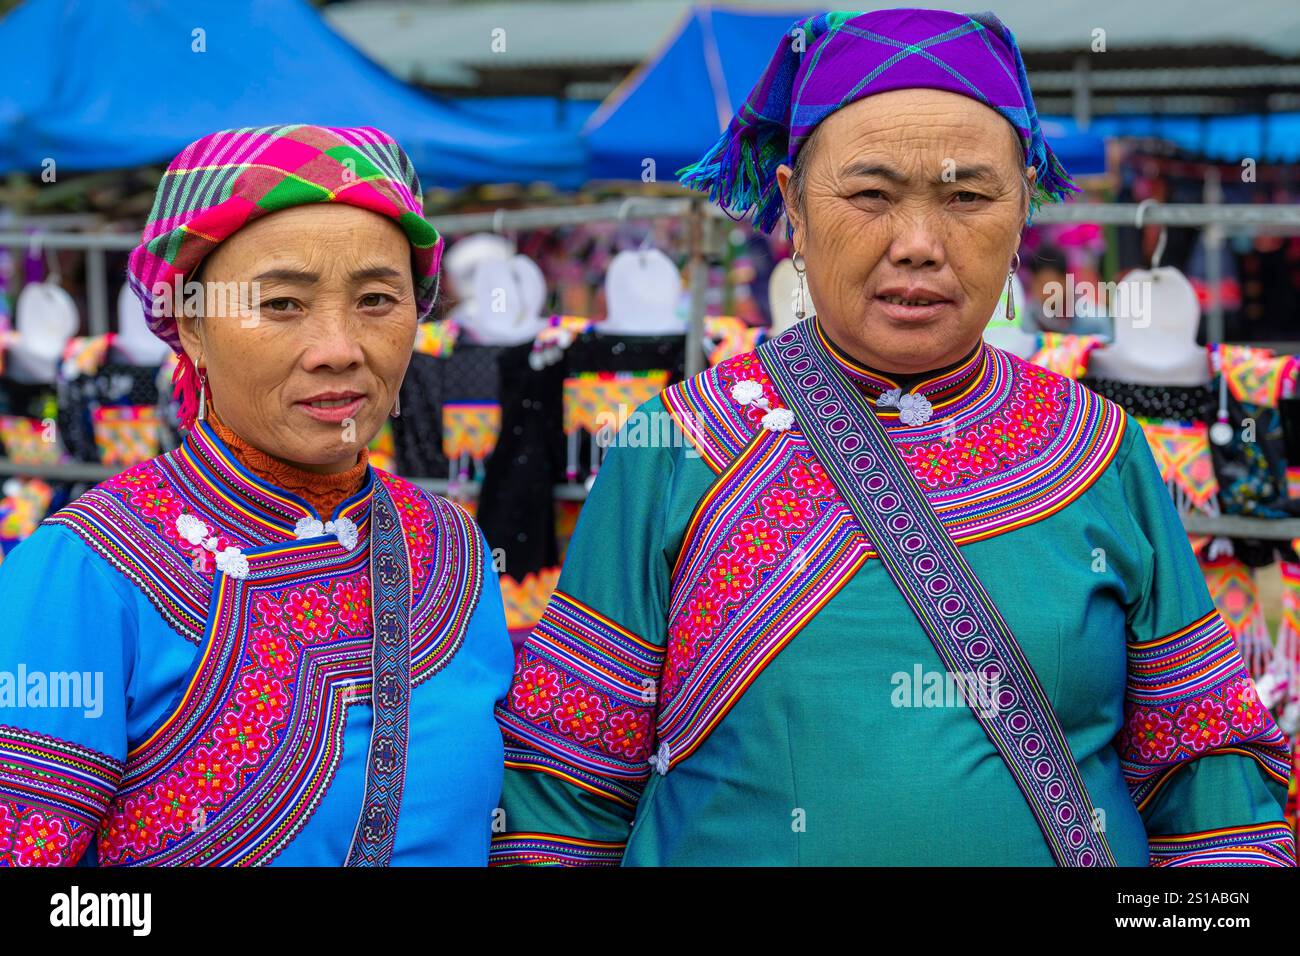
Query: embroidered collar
{"points": [[211, 461], [944, 390]]}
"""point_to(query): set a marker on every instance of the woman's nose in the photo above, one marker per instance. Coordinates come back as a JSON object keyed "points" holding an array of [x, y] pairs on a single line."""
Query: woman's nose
{"points": [[916, 242]]}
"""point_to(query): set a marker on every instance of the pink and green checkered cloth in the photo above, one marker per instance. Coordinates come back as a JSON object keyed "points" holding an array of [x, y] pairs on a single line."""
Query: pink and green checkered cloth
{"points": [[222, 182]]}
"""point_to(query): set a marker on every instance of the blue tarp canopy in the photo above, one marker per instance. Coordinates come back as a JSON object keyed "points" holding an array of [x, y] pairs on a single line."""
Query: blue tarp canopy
{"points": [[110, 84], [674, 107]]}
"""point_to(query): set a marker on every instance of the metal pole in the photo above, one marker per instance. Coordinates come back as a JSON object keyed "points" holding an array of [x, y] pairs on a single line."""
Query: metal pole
{"points": [[1214, 329], [97, 291], [699, 271]]}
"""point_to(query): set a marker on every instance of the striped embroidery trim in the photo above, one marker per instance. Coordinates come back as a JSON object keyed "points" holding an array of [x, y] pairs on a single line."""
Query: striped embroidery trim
{"points": [[549, 849], [582, 700], [770, 544], [1262, 844], [1189, 693], [75, 780], [1060, 467]]}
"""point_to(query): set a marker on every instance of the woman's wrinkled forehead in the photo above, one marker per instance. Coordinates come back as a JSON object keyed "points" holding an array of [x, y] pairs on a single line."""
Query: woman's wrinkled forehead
{"points": [[931, 132]]}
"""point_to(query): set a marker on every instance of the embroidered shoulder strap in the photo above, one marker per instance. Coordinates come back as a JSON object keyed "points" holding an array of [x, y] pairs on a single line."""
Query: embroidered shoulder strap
{"points": [[390, 584], [938, 584]]}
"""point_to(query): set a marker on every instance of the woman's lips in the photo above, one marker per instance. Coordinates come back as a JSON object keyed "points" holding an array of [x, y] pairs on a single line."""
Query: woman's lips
{"points": [[333, 415], [911, 313]]}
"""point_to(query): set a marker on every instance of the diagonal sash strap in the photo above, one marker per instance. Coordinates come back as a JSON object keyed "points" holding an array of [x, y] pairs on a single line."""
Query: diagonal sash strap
{"points": [[390, 587], [934, 578]]}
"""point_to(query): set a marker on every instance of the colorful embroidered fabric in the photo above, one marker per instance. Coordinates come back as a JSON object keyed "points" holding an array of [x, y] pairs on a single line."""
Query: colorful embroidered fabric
{"points": [[1182, 453], [126, 434], [1256, 375], [1028, 442], [1189, 693], [25, 441], [596, 401], [383, 455], [85, 355], [23, 510], [724, 614], [246, 754], [1236, 594], [470, 429], [582, 702], [526, 600], [1066, 354], [51, 796], [726, 336], [1265, 844], [437, 338]]}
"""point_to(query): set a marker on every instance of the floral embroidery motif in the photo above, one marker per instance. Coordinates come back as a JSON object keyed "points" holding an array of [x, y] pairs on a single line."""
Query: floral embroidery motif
{"points": [[1175, 713], [581, 704], [51, 794]]}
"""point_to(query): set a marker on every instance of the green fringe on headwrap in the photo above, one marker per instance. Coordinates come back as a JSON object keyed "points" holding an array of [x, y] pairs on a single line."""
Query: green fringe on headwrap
{"points": [[738, 172]]}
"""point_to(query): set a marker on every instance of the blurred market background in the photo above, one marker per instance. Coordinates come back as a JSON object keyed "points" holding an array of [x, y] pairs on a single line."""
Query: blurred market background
{"points": [[547, 135]]}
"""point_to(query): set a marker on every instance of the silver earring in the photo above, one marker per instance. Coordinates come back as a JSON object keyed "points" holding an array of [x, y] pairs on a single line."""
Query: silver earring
{"points": [[397, 406], [203, 397], [800, 268], [1011, 298]]}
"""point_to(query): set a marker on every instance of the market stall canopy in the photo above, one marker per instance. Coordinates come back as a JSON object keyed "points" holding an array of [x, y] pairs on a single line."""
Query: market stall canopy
{"points": [[96, 85], [673, 107]]}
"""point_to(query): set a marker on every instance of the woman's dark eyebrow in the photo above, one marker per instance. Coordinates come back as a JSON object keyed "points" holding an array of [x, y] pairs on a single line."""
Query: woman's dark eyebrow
{"points": [[287, 275], [377, 272], [978, 172], [300, 275]]}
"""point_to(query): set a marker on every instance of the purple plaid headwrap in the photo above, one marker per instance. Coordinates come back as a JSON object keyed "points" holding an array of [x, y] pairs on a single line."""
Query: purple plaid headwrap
{"points": [[834, 59]]}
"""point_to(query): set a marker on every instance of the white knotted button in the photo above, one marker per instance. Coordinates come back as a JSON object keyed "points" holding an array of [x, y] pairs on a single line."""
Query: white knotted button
{"points": [[659, 761], [344, 529], [750, 392]]}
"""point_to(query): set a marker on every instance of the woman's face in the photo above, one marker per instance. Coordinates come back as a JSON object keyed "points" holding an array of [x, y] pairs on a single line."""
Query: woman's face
{"points": [[912, 193], [335, 312]]}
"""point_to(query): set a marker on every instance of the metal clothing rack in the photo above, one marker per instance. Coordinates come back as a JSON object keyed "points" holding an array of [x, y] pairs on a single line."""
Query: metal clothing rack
{"points": [[707, 225]]}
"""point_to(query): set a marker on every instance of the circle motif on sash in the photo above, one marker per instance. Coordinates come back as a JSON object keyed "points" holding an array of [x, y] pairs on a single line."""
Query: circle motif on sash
{"points": [[873, 482], [819, 394], [938, 584], [952, 604], [837, 426], [1086, 858], [1055, 790], [810, 381], [900, 522], [1031, 745], [1018, 721], [850, 443], [1006, 698], [977, 648], [1076, 836], [963, 626], [923, 564], [1043, 769]]}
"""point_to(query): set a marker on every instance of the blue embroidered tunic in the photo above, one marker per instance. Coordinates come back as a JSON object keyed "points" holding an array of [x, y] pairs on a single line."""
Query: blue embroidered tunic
{"points": [[170, 703], [727, 674]]}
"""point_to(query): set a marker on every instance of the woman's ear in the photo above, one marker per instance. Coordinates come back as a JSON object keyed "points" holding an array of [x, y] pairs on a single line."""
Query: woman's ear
{"points": [[1031, 177], [791, 201], [187, 327]]}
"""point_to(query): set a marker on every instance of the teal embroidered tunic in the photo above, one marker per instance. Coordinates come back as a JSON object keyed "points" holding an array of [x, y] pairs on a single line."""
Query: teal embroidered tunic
{"points": [[721, 617]]}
